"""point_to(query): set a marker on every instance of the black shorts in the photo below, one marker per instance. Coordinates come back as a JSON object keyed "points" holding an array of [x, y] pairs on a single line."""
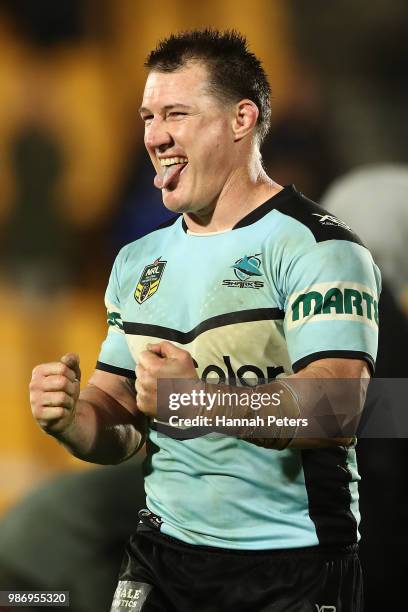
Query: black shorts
{"points": [[162, 574]]}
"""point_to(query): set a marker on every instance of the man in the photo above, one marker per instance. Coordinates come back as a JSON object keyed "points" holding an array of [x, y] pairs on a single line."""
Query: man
{"points": [[252, 280]]}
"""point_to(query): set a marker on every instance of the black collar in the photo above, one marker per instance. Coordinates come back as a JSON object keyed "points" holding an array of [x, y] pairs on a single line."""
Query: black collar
{"points": [[261, 210]]}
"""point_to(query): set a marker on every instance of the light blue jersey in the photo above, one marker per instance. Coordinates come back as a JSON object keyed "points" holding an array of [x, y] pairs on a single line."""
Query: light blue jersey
{"points": [[289, 284]]}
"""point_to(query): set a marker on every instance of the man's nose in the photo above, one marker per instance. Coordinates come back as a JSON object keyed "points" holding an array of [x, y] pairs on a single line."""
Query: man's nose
{"points": [[156, 135]]}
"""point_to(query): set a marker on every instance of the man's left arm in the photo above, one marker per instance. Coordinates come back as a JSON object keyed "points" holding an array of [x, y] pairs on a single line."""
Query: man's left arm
{"points": [[328, 394], [329, 288], [338, 384]]}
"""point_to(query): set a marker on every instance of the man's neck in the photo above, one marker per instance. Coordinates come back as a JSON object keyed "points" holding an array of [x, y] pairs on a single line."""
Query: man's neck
{"points": [[240, 196]]}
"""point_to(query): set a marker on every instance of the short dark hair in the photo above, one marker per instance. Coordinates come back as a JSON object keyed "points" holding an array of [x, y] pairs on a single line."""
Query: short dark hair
{"points": [[235, 72]]}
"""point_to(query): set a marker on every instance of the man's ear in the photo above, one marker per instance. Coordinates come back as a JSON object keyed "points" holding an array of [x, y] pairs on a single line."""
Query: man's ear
{"points": [[245, 117]]}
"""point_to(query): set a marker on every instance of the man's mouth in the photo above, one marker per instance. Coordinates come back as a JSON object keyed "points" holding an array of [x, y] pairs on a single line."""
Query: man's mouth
{"points": [[171, 169]]}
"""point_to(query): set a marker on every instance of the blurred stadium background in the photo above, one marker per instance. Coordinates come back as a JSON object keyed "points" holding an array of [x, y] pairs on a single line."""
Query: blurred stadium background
{"points": [[75, 182]]}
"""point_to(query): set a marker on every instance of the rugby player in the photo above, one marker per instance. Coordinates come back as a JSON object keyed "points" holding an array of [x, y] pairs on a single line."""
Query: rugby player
{"points": [[249, 280]]}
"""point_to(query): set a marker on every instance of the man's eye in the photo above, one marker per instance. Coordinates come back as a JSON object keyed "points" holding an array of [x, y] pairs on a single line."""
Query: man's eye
{"points": [[147, 118], [176, 114]]}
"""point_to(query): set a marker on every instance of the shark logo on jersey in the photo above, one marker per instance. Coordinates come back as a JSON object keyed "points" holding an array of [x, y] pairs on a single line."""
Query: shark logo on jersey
{"points": [[244, 269], [247, 266], [149, 281]]}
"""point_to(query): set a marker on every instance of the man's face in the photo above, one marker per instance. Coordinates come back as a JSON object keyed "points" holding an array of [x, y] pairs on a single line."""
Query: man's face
{"points": [[189, 138]]}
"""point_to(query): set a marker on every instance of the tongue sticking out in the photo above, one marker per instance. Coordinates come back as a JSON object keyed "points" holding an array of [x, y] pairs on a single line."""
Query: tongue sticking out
{"points": [[168, 176]]}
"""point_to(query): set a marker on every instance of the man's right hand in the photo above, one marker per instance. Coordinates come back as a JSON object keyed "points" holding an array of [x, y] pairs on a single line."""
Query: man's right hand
{"points": [[54, 392]]}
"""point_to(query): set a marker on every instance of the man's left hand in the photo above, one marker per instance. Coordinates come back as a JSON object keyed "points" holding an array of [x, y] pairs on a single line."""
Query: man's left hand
{"points": [[161, 360]]}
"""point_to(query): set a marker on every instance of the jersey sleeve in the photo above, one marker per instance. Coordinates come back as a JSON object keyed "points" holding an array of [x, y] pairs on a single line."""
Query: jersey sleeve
{"points": [[331, 292], [115, 356]]}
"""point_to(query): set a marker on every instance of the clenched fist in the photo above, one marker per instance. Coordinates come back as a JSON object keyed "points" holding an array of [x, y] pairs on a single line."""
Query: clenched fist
{"points": [[161, 360], [54, 392]]}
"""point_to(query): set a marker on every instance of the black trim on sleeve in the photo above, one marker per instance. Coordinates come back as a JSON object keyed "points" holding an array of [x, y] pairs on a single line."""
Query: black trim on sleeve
{"points": [[323, 224], [345, 354], [106, 367], [229, 318]]}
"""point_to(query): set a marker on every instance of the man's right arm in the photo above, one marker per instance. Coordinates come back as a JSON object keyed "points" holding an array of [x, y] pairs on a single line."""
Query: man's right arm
{"points": [[100, 424]]}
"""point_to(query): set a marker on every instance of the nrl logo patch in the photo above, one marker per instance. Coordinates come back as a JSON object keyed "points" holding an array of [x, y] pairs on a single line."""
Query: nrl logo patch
{"points": [[149, 281]]}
